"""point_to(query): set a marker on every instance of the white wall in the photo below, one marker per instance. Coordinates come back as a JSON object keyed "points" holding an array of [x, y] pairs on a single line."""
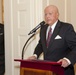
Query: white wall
{"points": [[73, 13]]}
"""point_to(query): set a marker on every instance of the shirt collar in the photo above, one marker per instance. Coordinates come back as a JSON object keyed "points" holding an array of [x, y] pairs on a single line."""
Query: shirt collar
{"points": [[53, 26]]}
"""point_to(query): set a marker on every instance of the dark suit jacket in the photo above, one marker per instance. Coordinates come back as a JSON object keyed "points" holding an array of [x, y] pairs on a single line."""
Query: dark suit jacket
{"points": [[2, 54], [59, 48]]}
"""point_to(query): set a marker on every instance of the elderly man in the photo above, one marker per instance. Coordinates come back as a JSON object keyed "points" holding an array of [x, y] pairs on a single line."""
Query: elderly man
{"points": [[60, 46]]}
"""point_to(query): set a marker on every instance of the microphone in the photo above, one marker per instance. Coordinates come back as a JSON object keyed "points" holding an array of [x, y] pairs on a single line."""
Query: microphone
{"points": [[37, 27]]}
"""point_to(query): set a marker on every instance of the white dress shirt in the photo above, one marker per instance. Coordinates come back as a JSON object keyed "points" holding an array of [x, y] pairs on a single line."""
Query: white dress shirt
{"points": [[52, 27]]}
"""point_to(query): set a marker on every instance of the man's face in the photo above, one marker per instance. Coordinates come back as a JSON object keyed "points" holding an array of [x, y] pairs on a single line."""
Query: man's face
{"points": [[51, 15]]}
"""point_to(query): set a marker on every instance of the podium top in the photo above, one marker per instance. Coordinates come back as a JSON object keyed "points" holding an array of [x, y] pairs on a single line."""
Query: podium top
{"points": [[38, 61]]}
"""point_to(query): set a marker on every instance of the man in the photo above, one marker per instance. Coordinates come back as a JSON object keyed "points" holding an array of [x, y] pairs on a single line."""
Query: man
{"points": [[2, 57], [62, 44]]}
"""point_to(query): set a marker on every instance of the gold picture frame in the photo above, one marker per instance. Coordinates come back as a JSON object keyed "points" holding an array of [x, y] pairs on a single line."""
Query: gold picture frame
{"points": [[3, 11]]}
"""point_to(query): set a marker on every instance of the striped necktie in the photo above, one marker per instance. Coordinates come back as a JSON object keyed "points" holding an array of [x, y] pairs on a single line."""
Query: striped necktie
{"points": [[49, 36]]}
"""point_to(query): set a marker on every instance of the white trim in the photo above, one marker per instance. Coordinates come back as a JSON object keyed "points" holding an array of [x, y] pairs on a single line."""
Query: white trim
{"points": [[8, 37]]}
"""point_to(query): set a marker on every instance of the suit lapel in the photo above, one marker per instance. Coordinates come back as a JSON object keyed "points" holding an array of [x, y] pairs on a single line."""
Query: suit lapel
{"points": [[55, 32], [44, 36]]}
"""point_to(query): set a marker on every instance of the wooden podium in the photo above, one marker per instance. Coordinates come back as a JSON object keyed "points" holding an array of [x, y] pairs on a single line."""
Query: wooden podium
{"points": [[40, 67]]}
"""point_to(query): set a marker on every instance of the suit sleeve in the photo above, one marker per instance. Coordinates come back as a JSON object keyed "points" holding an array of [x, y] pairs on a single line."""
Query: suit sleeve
{"points": [[71, 42], [38, 49]]}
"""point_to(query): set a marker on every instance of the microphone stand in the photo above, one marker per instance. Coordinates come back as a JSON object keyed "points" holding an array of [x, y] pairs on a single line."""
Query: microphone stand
{"points": [[26, 44]]}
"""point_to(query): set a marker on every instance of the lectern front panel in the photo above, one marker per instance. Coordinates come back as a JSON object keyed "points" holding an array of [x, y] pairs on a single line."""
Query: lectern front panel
{"points": [[30, 71]]}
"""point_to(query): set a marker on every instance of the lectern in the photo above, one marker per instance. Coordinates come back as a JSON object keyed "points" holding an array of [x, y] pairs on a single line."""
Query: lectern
{"points": [[40, 67]]}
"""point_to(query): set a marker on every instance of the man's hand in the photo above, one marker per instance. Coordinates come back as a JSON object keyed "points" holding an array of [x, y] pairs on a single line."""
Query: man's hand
{"points": [[32, 58], [64, 63]]}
